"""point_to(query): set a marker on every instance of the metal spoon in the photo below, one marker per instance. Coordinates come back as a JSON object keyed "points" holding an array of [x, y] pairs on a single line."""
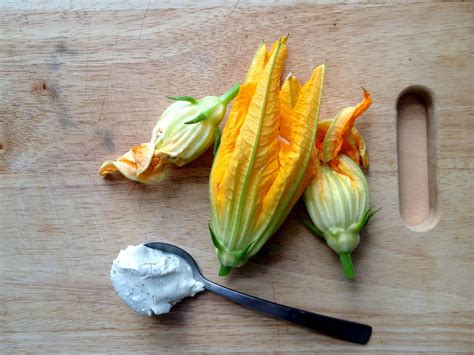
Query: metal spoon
{"points": [[338, 328]]}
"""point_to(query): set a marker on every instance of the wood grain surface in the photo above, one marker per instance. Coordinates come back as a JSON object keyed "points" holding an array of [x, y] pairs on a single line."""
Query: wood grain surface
{"points": [[81, 82]]}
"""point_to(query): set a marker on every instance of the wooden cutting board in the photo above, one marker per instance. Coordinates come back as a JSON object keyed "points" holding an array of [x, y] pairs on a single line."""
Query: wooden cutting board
{"points": [[81, 83]]}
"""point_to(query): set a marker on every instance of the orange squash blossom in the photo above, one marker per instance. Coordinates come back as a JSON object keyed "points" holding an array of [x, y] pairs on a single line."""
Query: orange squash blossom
{"points": [[259, 170]]}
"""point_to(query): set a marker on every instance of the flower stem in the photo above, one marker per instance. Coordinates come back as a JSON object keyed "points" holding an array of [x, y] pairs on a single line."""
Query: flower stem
{"points": [[230, 94], [347, 266], [224, 270]]}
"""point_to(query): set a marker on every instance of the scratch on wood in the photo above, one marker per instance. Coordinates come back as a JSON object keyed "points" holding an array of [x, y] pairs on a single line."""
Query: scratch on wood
{"points": [[108, 80], [144, 18], [233, 9]]}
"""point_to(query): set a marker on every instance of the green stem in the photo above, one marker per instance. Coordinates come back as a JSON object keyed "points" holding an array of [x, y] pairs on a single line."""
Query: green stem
{"points": [[230, 94], [347, 266], [224, 270]]}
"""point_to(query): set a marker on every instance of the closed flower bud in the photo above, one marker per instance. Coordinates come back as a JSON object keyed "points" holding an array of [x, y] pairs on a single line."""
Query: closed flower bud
{"points": [[337, 200], [186, 129]]}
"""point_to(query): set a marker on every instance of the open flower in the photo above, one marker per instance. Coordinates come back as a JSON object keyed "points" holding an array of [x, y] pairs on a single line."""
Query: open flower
{"points": [[337, 198], [184, 131], [258, 173]]}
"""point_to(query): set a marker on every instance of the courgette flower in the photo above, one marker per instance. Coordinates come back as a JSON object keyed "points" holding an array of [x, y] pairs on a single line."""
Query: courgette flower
{"points": [[259, 171], [337, 197], [184, 131]]}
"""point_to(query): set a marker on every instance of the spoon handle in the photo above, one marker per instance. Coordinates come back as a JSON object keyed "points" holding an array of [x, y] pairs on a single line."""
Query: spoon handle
{"points": [[338, 328]]}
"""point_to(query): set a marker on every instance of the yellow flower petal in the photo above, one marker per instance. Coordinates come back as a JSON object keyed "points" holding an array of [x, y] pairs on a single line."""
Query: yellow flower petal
{"points": [[288, 98], [362, 148], [282, 40], [254, 161], [353, 144], [228, 142], [235, 120], [127, 165], [342, 126], [287, 186], [258, 65]]}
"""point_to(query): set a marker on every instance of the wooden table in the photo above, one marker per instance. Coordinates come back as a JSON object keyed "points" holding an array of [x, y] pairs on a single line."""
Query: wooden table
{"points": [[81, 83]]}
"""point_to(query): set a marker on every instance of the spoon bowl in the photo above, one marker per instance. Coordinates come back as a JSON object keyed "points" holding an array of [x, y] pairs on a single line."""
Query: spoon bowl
{"points": [[338, 328], [173, 249]]}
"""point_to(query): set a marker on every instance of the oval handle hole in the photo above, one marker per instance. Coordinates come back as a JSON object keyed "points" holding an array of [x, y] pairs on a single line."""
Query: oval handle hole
{"points": [[416, 154]]}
